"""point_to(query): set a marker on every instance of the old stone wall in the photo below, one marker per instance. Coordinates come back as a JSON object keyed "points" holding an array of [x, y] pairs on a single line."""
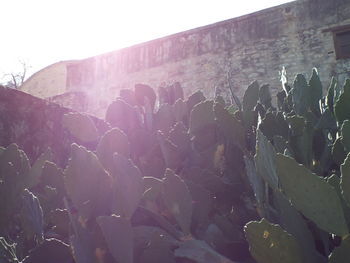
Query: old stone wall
{"points": [[247, 48], [36, 124], [74, 100]]}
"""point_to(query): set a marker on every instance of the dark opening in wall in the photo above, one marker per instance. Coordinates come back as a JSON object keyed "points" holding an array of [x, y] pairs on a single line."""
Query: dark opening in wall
{"points": [[341, 37]]}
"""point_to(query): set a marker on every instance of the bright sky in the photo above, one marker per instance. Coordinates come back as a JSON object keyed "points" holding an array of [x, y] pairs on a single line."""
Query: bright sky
{"points": [[41, 32]]}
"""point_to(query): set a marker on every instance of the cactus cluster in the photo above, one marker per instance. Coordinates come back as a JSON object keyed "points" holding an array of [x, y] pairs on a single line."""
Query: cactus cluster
{"points": [[178, 179]]}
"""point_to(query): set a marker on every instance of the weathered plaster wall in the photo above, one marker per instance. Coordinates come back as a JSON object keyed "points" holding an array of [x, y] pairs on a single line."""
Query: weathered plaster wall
{"points": [[250, 47], [49, 81]]}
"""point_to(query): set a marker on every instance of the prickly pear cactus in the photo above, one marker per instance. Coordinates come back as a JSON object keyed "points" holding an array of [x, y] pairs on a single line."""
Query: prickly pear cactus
{"points": [[229, 125], [178, 200], [251, 97], [300, 95], [142, 92], [194, 99], [88, 185], [14, 169], [80, 126], [341, 254], [51, 250], [265, 160], [7, 252], [113, 141], [118, 234], [164, 119], [202, 116], [32, 216], [176, 180], [315, 92], [270, 243], [129, 186], [311, 195], [345, 133], [122, 115], [342, 106], [345, 179]]}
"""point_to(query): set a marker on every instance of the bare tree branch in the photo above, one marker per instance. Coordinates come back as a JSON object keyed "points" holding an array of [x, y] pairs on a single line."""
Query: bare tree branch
{"points": [[16, 79]]}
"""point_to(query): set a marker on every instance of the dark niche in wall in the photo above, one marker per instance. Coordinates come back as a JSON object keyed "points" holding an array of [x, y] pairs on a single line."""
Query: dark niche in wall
{"points": [[341, 38]]}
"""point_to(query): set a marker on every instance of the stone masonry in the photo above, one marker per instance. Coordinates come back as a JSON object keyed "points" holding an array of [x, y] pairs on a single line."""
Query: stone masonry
{"points": [[297, 35]]}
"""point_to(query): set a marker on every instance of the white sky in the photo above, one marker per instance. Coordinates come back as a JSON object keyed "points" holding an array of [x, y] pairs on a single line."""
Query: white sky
{"points": [[41, 32]]}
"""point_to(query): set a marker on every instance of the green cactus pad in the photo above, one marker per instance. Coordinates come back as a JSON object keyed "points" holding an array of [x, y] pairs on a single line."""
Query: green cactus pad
{"points": [[274, 124], [143, 91], [315, 91], [345, 134], [178, 91], [148, 115], [300, 141], [52, 176], [179, 136], [338, 152], [342, 105], [164, 119], [32, 216], [80, 126], [178, 200], [345, 179], [256, 181], [296, 124], [200, 252], [7, 252], [153, 187], [171, 153], [14, 169], [335, 181], [36, 170], [87, 183], [270, 243], [265, 96], [251, 97], [60, 220], [113, 141], [279, 143], [331, 95], [157, 245], [202, 203], [128, 96], [293, 222], [202, 116], [82, 242], [311, 195], [122, 115], [129, 185], [51, 250], [143, 234], [300, 95], [265, 160], [194, 99], [180, 110], [341, 254], [17, 159], [230, 126], [118, 235]]}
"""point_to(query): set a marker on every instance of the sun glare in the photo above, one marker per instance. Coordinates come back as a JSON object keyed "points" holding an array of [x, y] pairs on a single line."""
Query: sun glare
{"points": [[45, 32]]}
